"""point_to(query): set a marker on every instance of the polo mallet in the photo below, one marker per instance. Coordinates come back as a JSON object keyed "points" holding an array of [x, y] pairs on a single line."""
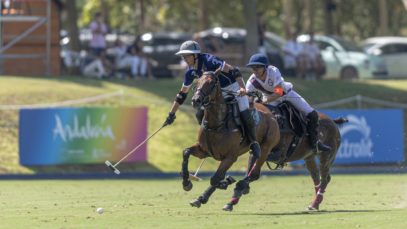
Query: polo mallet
{"points": [[194, 176], [114, 167]]}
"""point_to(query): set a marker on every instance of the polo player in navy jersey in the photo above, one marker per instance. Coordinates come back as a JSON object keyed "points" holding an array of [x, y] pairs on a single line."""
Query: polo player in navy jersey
{"points": [[230, 79]]}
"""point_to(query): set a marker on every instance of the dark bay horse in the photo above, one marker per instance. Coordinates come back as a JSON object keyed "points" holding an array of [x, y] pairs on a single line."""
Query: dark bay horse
{"points": [[328, 133], [219, 136]]}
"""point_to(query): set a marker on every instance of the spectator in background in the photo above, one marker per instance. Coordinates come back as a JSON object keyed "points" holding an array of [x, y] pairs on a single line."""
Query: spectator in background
{"points": [[135, 62], [143, 68], [120, 56], [315, 64], [99, 29], [98, 67], [96, 63], [127, 60], [145, 62], [294, 62]]}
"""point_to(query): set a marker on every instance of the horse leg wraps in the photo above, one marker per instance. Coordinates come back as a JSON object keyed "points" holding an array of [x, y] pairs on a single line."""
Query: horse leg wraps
{"points": [[252, 175], [234, 200], [216, 179], [242, 188], [225, 183], [317, 187], [205, 195], [185, 173]]}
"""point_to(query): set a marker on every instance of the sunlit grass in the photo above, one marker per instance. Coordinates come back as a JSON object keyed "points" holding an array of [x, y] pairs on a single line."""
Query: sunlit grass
{"points": [[370, 201]]}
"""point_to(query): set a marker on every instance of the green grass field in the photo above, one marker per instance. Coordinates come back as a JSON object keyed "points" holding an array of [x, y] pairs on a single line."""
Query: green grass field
{"points": [[164, 150], [370, 201], [274, 202]]}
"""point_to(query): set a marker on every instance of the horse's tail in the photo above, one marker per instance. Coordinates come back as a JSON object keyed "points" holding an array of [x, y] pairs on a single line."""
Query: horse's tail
{"points": [[340, 120]]}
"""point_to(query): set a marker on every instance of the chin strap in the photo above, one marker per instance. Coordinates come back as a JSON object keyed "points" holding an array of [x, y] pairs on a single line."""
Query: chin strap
{"points": [[195, 59], [264, 70]]}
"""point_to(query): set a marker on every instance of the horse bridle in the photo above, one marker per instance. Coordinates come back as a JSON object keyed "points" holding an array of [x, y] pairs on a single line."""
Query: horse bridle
{"points": [[206, 94]]}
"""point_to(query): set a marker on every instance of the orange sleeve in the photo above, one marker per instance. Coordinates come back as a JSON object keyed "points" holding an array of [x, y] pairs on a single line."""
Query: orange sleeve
{"points": [[279, 90]]}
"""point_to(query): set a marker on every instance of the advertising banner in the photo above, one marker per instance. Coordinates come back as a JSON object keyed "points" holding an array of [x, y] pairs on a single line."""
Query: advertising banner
{"points": [[370, 136], [81, 135]]}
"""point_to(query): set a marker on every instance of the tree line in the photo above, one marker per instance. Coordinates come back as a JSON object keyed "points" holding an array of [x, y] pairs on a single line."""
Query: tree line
{"points": [[355, 20]]}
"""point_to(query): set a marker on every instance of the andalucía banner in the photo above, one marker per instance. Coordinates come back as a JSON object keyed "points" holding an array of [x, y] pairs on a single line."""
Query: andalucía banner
{"points": [[81, 135]]}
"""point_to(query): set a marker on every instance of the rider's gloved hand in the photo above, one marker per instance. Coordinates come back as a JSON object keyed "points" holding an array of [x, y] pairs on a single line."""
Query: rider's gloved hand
{"points": [[242, 91], [170, 119], [264, 99]]}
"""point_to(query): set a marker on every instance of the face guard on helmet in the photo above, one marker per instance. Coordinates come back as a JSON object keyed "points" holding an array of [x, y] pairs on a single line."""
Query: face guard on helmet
{"points": [[189, 47]]}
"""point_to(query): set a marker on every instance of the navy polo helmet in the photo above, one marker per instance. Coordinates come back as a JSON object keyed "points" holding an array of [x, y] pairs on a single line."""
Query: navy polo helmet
{"points": [[258, 59]]}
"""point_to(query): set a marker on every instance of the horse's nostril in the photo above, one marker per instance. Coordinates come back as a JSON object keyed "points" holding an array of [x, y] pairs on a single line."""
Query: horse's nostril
{"points": [[196, 103]]}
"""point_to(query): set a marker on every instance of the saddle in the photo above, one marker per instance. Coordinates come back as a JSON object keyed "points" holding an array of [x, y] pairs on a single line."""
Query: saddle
{"points": [[232, 121], [291, 122]]}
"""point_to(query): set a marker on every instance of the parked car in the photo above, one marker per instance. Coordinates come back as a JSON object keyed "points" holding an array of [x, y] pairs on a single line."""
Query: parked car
{"points": [[394, 52], [229, 44], [161, 47], [344, 59]]}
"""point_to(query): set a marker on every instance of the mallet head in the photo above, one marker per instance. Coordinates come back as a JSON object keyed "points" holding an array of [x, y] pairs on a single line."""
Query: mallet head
{"points": [[194, 178], [111, 166]]}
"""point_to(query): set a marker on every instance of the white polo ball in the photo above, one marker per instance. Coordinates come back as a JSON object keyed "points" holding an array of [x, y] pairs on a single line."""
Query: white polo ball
{"points": [[100, 210]]}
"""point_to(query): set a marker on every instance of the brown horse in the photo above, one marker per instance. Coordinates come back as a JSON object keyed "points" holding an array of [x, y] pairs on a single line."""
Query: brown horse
{"points": [[219, 136], [328, 133]]}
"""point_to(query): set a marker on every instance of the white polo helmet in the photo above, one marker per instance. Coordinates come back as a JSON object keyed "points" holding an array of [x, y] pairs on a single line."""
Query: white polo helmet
{"points": [[189, 47]]}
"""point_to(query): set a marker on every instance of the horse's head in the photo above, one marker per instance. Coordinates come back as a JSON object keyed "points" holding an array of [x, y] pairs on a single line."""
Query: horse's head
{"points": [[206, 89]]}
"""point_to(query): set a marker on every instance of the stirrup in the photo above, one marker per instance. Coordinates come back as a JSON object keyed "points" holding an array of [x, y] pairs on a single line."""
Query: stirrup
{"points": [[277, 165]]}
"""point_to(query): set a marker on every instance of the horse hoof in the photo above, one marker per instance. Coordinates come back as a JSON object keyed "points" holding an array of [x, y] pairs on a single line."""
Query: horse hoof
{"points": [[228, 207], [195, 203], [312, 208], [187, 187]]}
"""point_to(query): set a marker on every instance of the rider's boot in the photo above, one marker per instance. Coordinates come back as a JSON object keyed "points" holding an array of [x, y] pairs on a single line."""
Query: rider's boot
{"points": [[250, 127], [312, 125]]}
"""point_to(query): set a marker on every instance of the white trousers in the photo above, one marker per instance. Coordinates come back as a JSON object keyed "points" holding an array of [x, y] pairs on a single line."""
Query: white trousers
{"points": [[295, 99], [136, 63], [243, 101], [94, 69]]}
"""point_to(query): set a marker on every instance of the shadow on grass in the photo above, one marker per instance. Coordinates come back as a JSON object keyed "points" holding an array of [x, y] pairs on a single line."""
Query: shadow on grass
{"points": [[305, 212], [93, 168], [313, 91]]}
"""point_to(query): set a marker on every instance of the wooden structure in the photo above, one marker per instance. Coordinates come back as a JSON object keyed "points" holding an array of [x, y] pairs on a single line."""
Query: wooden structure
{"points": [[29, 37]]}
